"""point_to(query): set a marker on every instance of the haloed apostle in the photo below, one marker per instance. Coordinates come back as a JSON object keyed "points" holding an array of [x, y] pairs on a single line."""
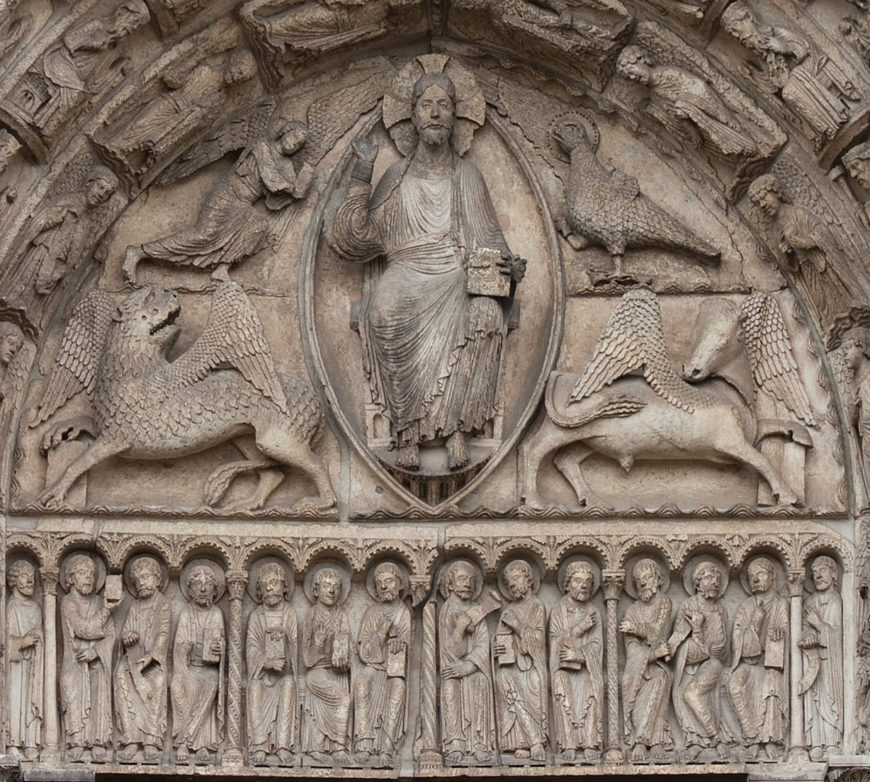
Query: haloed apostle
{"points": [[379, 685], [432, 349], [141, 679], [271, 657], [198, 654]]}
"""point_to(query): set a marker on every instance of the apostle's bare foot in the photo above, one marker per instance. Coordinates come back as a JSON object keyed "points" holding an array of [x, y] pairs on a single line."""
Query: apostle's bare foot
{"points": [[639, 754], [31, 754], [408, 457], [361, 758], [453, 758], [342, 758], [457, 453], [521, 754], [750, 753], [127, 753], [258, 758], [658, 754], [591, 755], [773, 751], [385, 760], [99, 754], [568, 756], [182, 755], [482, 756], [151, 753], [538, 754], [285, 757], [74, 754], [202, 756]]}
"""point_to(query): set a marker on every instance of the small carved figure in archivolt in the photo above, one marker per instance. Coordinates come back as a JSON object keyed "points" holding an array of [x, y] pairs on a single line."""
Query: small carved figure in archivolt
{"points": [[851, 365], [699, 644], [577, 666], [520, 652], [149, 408], [611, 411], [606, 208], [821, 642], [25, 649], [759, 667], [467, 713], [326, 654], [246, 211], [379, 687], [86, 670], [141, 675], [198, 664], [816, 90], [646, 679], [270, 653], [9, 145]]}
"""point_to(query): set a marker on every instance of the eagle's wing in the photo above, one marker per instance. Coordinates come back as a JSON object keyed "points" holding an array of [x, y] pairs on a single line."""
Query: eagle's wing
{"points": [[233, 336], [770, 355], [77, 360], [621, 348]]}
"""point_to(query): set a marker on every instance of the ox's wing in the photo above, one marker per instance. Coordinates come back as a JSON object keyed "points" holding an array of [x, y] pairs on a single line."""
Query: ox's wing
{"points": [[78, 358], [621, 348], [770, 355], [233, 336]]}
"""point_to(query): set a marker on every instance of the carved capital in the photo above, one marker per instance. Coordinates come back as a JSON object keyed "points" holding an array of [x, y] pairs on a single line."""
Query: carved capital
{"points": [[796, 579], [612, 581], [420, 586], [237, 580], [49, 577]]}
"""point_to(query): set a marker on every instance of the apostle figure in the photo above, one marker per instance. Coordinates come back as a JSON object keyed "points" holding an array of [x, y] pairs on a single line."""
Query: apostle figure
{"points": [[822, 644], [700, 643], [467, 712], [759, 664], [577, 667], [646, 680], [379, 687], [198, 656], [86, 670], [326, 655], [432, 349], [24, 665], [271, 658], [520, 649], [141, 680]]}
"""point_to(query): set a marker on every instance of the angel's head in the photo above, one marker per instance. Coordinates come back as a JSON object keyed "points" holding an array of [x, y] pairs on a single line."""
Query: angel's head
{"points": [[855, 347], [292, 136], [634, 65], [11, 340], [766, 193]]}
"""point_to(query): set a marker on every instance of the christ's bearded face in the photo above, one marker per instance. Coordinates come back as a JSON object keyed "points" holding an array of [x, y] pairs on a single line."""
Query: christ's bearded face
{"points": [[434, 114]]}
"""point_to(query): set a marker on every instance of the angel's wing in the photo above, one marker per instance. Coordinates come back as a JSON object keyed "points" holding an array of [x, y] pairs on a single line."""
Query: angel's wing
{"points": [[75, 367], [242, 128], [234, 336], [770, 355], [621, 347]]}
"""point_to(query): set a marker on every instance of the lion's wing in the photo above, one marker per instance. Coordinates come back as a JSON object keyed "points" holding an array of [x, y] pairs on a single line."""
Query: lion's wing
{"points": [[75, 367], [233, 336], [621, 347], [770, 355]]}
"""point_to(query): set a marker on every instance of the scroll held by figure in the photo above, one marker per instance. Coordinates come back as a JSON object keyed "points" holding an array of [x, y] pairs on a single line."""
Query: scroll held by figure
{"points": [[433, 339]]}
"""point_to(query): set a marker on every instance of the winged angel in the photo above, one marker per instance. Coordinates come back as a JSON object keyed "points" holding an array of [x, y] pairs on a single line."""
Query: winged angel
{"points": [[631, 404], [147, 407]]}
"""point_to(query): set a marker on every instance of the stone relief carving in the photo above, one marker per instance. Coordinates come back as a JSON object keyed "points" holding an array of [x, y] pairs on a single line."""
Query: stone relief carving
{"points": [[468, 729], [607, 411], [86, 671], [817, 90], [646, 679], [141, 674], [9, 146], [270, 654], [851, 365], [118, 356], [606, 208], [327, 656], [520, 651], [25, 649], [88, 62], [856, 161], [821, 643], [759, 668], [699, 646], [14, 26], [55, 242], [380, 685], [199, 652], [433, 330], [577, 665], [172, 14]]}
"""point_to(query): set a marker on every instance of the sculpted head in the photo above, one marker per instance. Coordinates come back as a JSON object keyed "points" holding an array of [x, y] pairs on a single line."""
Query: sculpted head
{"points": [[739, 21], [766, 193], [707, 580], [99, 186], [648, 579], [147, 321], [518, 578], [579, 580], [761, 574], [271, 585], [292, 136], [388, 582], [240, 67], [857, 162], [461, 580], [21, 577], [146, 575], [81, 573], [434, 103], [327, 586], [11, 340], [202, 585], [855, 347], [633, 65], [824, 573]]}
